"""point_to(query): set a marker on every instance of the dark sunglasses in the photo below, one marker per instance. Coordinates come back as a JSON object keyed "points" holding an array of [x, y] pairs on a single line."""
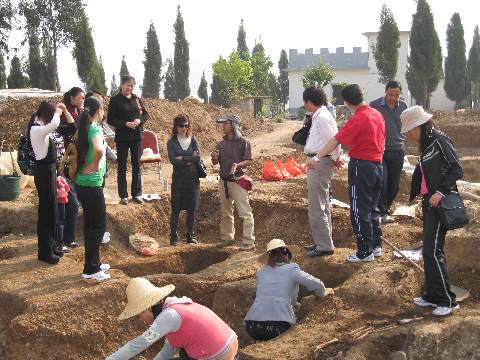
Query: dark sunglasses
{"points": [[184, 125]]}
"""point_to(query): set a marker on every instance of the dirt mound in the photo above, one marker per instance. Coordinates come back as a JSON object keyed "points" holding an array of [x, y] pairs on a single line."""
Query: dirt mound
{"points": [[15, 114]]}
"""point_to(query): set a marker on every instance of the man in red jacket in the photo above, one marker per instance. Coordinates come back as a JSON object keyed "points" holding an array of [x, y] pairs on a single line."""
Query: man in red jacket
{"points": [[364, 135]]}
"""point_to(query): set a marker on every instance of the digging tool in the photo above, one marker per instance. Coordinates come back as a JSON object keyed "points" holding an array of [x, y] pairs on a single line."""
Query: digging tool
{"points": [[14, 169], [460, 293]]}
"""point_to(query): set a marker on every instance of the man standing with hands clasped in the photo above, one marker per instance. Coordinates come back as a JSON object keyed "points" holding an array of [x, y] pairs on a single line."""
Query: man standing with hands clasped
{"points": [[234, 154], [364, 135]]}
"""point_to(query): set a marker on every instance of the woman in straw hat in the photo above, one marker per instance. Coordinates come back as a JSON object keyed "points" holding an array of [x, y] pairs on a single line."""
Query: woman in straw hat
{"points": [[434, 177], [277, 290], [189, 327]]}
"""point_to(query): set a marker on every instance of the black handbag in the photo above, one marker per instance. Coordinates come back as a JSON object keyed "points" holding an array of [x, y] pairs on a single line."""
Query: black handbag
{"points": [[202, 169], [300, 136], [452, 212]]}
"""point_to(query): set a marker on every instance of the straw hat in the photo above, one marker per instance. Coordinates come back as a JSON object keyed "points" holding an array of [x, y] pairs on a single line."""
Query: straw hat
{"points": [[141, 295], [412, 117], [272, 245]]}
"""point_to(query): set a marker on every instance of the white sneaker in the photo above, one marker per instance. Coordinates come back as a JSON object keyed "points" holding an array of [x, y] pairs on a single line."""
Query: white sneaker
{"points": [[444, 310], [105, 267], [377, 252], [386, 219], [354, 258], [106, 238], [419, 301], [98, 276]]}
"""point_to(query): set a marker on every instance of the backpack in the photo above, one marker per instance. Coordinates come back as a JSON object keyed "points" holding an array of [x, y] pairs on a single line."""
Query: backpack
{"points": [[68, 164], [25, 156]]}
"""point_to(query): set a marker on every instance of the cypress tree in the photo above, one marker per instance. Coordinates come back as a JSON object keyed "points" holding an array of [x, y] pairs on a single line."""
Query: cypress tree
{"points": [[219, 92], [203, 89], [16, 79], [123, 68], [85, 55], [169, 88], [6, 14], [474, 68], [3, 72], [386, 48], [283, 78], [153, 65], [456, 74], [36, 68], [98, 79], [261, 65], [113, 86], [242, 48], [424, 68], [48, 60], [181, 59]]}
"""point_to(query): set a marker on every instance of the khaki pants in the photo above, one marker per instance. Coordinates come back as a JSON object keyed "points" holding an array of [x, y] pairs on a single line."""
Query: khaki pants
{"points": [[239, 197], [319, 215]]}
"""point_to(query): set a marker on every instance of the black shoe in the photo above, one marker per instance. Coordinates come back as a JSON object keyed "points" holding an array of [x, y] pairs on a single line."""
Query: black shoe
{"points": [[58, 251], [137, 199], [65, 249], [191, 239], [310, 247], [73, 245], [173, 239], [316, 252], [53, 259]]}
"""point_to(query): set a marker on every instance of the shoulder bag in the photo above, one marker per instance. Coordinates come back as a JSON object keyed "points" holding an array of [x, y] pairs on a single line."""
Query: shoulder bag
{"points": [[452, 212]]}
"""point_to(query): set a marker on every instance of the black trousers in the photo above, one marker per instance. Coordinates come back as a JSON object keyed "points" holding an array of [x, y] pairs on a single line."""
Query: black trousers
{"points": [[94, 224], [122, 154], [45, 182], [437, 286], [266, 330], [67, 218], [174, 215], [392, 171], [365, 179]]}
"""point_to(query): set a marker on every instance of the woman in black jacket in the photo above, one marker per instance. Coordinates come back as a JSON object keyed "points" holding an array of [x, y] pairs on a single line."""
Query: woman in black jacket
{"points": [[184, 155], [434, 177], [128, 115]]}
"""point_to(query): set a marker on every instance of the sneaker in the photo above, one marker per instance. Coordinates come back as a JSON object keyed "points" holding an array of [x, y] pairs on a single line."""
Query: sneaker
{"points": [[316, 252], [354, 258], [387, 219], [98, 276], [73, 245], [419, 301], [53, 259], [137, 199], [123, 201], [310, 247], [65, 249], [444, 310], [377, 252], [105, 267], [106, 238], [247, 247], [223, 243]]}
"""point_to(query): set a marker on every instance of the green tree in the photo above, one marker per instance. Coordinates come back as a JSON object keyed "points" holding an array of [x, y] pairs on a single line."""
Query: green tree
{"points": [[85, 54], [98, 80], [219, 92], [181, 59], [203, 89], [36, 68], [261, 65], [16, 79], [424, 69], [113, 86], [456, 73], [49, 77], [242, 48], [123, 68], [318, 76], [6, 14], [386, 48], [55, 23], [169, 87], [474, 68], [283, 78], [3, 72], [153, 65]]}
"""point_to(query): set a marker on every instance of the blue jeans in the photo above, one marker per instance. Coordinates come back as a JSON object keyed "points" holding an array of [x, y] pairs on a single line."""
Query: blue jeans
{"points": [[365, 180]]}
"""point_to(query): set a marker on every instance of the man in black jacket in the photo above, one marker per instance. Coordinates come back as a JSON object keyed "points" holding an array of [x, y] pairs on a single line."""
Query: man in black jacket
{"points": [[128, 115]]}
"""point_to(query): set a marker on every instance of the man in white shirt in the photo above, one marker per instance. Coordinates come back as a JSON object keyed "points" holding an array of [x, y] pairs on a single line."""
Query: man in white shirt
{"points": [[323, 128]]}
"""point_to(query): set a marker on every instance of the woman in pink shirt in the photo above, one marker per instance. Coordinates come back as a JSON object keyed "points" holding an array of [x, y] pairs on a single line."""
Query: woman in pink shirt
{"points": [[191, 328]]}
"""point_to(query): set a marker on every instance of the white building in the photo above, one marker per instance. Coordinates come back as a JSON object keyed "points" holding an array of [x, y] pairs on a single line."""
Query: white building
{"points": [[356, 67]]}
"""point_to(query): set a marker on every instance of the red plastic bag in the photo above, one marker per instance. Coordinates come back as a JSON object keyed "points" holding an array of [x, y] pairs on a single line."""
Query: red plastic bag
{"points": [[293, 168], [283, 170], [270, 172]]}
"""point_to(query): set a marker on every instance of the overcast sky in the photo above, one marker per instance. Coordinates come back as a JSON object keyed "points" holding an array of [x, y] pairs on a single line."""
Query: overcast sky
{"points": [[120, 26]]}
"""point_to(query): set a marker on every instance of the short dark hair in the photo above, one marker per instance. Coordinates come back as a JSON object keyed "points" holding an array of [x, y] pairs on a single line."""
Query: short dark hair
{"points": [[279, 255], [181, 119], [352, 94], [393, 84], [315, 95], [127, 78]]}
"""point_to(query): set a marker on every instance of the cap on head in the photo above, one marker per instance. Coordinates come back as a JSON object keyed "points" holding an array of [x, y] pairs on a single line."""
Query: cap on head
{"points": [[234, 119]]}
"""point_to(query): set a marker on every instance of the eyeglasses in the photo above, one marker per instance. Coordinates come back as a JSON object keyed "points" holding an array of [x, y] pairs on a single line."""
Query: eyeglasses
{"points": [[183, 126]]}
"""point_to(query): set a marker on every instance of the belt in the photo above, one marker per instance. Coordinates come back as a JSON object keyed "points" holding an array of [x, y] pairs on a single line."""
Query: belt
{"points": [[314, 154], [226, 180]]}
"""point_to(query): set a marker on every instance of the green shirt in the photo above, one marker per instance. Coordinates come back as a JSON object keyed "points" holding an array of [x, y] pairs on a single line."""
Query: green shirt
{"points": [[95, 179]]}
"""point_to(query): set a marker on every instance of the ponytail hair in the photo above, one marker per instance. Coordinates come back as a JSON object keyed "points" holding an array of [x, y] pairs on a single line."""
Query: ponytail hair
{"points": [[45, 112], [90, 108], [67, 97]]}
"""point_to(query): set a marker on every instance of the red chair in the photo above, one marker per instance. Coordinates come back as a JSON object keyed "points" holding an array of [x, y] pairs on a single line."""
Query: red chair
{"points": [[150, 140]]}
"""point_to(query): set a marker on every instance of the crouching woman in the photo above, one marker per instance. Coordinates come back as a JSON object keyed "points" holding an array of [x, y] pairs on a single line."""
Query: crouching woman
{"points": [[192, 329], [277, 291]]}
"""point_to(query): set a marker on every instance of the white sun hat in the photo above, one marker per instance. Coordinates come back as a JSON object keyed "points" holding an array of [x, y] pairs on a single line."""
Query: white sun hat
{"points": [[412, 117], [141, 295], [272, 245]]}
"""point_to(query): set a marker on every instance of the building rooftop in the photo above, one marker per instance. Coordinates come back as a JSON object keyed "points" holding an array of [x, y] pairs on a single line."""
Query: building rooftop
{"points": [[339, 60]]}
